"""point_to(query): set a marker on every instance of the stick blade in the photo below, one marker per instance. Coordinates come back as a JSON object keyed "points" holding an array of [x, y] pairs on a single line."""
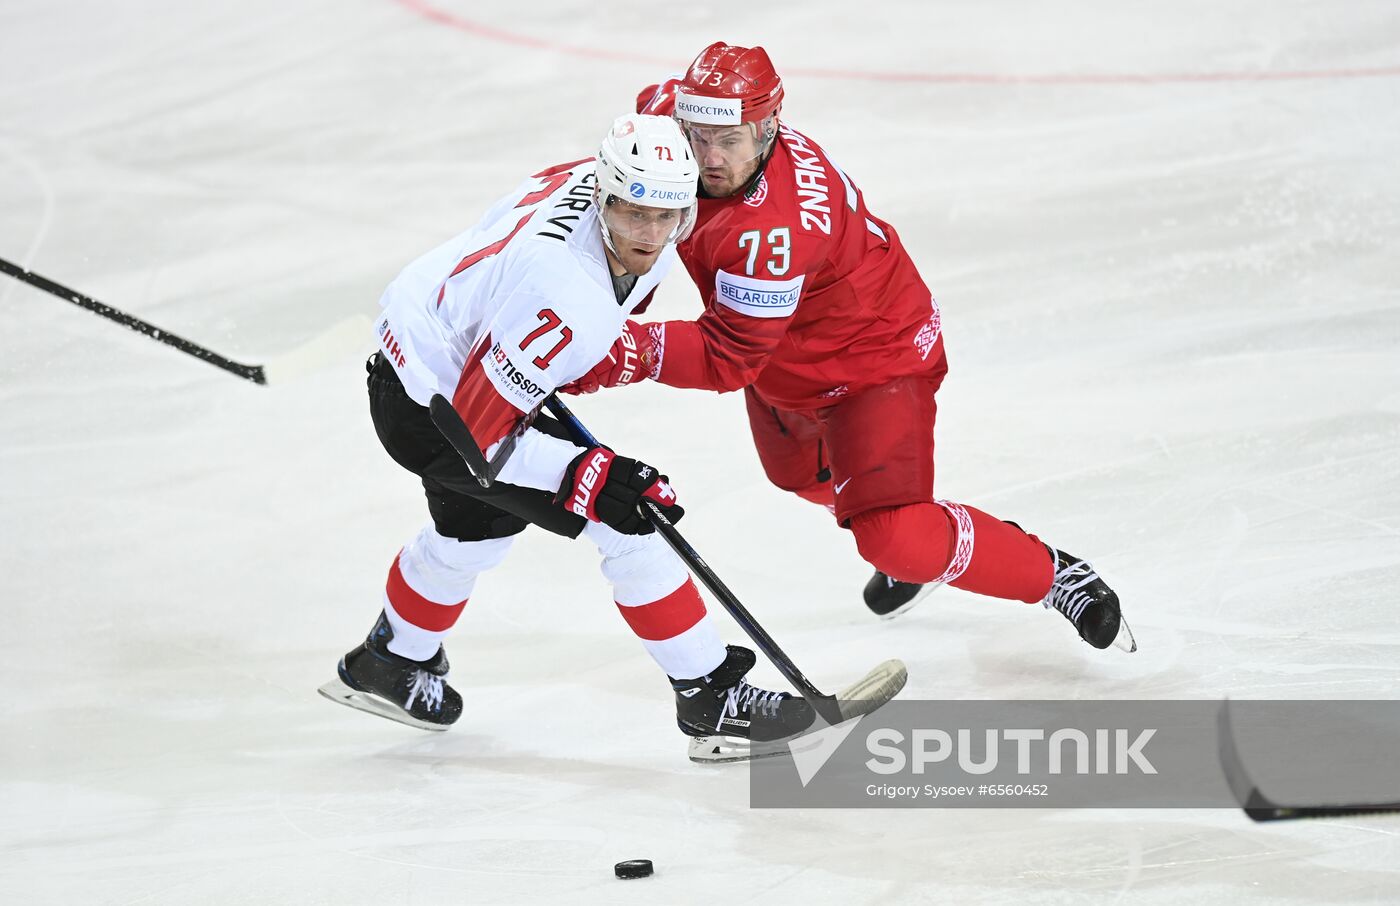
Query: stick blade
{"points": [[1260, 807], [873, 690], [457, 434], [865, 695]]}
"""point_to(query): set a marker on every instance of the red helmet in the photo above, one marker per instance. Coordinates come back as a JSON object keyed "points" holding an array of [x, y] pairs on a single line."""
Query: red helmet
{"points": [[728, 85]]}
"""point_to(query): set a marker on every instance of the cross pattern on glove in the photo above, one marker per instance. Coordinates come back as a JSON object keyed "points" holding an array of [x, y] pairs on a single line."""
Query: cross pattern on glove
{"points": [[604, 487]]}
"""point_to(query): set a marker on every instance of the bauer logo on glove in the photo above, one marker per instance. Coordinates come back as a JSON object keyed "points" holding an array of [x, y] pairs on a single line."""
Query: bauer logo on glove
{"points": [[632, 358], [604, 487]]}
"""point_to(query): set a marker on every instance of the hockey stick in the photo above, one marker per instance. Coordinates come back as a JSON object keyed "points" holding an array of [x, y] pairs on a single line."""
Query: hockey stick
{"points": [[875, 689], [327, 346], [252, 373], [455, 430], [870, 692], [1260, 807]]}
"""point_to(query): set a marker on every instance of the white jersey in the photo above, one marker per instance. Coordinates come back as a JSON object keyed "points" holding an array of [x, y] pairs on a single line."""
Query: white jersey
{"points": [[501, 315]]}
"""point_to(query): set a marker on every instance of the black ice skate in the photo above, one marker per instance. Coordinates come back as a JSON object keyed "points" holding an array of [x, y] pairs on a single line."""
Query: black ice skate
{"points": [[1088, 603], [374, 679], [887, 598], [721, 712]]}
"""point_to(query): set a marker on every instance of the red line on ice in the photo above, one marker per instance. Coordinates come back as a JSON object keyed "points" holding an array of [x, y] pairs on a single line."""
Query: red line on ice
{"points": [[491, 33]]}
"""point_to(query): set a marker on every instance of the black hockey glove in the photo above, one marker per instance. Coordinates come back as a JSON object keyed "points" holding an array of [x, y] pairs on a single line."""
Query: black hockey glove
{"points": [[604, 487]]}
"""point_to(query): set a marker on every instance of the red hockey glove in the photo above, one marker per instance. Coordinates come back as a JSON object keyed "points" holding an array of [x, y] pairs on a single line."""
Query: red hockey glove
{"points": [[604, 487], [630, 359]]}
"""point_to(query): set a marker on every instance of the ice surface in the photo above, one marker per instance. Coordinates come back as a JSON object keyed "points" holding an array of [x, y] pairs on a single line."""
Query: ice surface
{"points": [[1170, 294]]}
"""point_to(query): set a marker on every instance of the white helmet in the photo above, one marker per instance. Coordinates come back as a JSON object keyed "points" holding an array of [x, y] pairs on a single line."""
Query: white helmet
{"points": [[645, 162]]}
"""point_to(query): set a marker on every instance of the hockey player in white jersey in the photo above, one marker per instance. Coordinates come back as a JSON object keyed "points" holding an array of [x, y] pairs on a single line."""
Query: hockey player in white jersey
{"points": [[494, 320]]}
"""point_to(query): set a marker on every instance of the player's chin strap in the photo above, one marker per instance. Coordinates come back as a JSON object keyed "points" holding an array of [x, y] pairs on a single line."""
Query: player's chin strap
{"points": [[607, 233]]}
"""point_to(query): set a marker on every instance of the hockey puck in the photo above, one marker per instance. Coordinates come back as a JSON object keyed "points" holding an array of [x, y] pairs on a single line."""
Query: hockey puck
{"points": [[633, 868]]}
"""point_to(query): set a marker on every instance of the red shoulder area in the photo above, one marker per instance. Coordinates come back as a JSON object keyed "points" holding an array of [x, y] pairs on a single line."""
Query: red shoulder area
{"points": [[658, 100], [560, 168]]}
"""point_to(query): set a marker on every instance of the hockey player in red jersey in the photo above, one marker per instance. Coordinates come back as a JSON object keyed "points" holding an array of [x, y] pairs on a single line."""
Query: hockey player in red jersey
{"points": [[814, 309], [494, 320]]}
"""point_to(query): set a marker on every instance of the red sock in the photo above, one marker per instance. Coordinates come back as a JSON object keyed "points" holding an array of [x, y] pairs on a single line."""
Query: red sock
{"points": [[957, 544]]}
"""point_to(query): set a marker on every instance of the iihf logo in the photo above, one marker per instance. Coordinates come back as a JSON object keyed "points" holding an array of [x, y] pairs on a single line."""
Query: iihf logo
{"points": [[637, 190]]}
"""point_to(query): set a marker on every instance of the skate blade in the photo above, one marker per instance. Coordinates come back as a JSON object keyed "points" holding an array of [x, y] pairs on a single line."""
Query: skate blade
{"points": [[1124, 641], [341, 694], [732, 749], [874, 689]]}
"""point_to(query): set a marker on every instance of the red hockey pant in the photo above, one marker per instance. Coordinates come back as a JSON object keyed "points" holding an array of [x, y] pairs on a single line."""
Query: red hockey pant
{"points": [[869, 458]]}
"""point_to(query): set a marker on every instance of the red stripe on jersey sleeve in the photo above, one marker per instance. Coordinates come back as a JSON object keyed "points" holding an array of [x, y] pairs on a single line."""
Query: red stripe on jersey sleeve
{"points": [[560, 168], [667, 618], [544, 191], [554, 177], [490, 250], [417, 609]]}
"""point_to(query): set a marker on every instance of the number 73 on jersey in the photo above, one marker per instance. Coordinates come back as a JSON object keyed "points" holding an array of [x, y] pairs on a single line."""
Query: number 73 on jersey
{"points": [[776, 249]]}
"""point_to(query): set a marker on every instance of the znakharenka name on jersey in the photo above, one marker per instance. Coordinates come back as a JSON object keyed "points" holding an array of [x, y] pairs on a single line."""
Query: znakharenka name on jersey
{"points": [[809, 296]]}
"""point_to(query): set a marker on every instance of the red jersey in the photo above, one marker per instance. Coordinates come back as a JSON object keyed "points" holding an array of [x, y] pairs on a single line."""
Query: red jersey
{"points": [[808, 296]]}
